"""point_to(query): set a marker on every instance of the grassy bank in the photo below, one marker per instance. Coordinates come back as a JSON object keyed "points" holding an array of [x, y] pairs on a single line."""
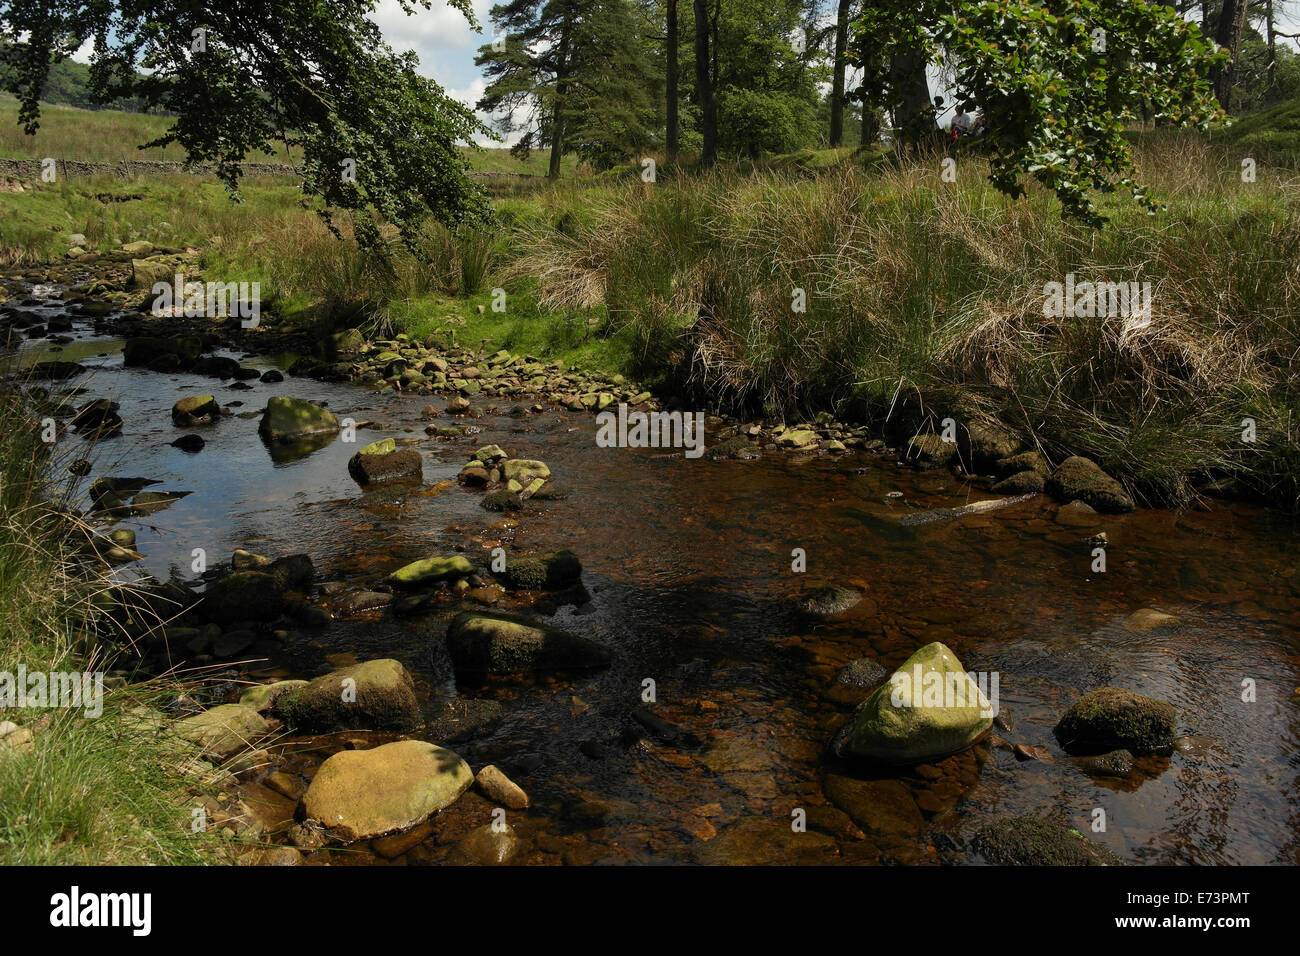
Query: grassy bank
{"points": [[74, 789], [923, 298]]}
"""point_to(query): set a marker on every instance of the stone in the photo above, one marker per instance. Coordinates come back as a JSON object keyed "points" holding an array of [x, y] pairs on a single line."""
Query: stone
{"points": [[1021, 483], [1079, 479], [292, 419], [483, 643], [829, 601], [375, 695], [797, 438], [244, 596], [1032, 841], [500, 789], [363, 794], [552, 569], [429, 571], [930, 451], [524, 470], [146, 272], [487, 845], [222, 731], [382, 461], [1147, 619], [929, 709], [195, 410], [863, 673], [262, 697], [1112, 718]]}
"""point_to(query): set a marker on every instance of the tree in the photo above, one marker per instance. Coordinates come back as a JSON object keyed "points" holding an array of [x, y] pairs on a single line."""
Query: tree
{"points": [[705, 70], [673, 133], [581, 69], [840, 57], [1057, 81], [1227, 33], [241, 76]]}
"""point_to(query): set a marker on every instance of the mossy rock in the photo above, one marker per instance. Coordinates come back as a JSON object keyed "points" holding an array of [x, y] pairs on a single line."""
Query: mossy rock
{"points": [[508, 644], [429, 571], [1031, 841], [381, 461], [737, 448], [1078, 479], [195, 410], [983, 444], [222, 731], [1025, 461], [292, 419], [375, 695], [553, 569], [523, 470], [927, 452], [1027, 482], [244, 596], [906, 721], [503, 499], [1112, 718]]}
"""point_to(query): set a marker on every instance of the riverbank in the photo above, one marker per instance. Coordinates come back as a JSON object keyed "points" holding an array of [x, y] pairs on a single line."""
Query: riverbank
{"points": [[890, 300]]}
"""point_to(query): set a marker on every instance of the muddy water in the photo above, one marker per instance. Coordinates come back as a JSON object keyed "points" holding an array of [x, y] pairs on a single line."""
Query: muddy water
{"points": [[688, 571]]}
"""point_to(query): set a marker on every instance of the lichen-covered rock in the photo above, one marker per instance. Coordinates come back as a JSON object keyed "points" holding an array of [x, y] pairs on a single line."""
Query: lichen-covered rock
{"points": [[506, 644], [1078, 479], [429, 571], [930, 708], [363, 794], [292, 419], [195, 410], [1112, 718], [375, 695]]}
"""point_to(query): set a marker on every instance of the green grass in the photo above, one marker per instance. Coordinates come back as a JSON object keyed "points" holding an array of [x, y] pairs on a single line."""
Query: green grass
{"points": [[90, 790], [110, 136]]}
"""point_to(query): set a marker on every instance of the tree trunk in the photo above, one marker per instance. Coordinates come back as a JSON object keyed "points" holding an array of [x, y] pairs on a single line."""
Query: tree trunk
{"points": [[837, 85], [1271, 27], [704, 86], [557, 117], [1227, 33], [910, 91], [672, 78]]}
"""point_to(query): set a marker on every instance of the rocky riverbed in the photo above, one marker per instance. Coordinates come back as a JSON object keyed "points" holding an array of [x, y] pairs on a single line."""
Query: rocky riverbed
{"points": [[446, 625]]}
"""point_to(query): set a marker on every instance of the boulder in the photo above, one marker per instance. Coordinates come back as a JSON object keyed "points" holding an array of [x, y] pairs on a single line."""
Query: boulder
{"points": [[929, 709], [363, 794], [1028, 482], [983, 444], [486, 846], [419, 574], [244, 596], [1031, 841], [523, 470], [381, 461], [553, 569], [375, 695], [1112, 718], [222, 731], [930, 451], [195, 410], [1078, 479], [292, 419], [146, 272], [507, 644], [262, 697]]}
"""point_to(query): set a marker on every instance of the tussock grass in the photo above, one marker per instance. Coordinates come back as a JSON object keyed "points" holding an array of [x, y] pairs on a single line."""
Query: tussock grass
{"points": [[90, 790], [924, 299]]}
